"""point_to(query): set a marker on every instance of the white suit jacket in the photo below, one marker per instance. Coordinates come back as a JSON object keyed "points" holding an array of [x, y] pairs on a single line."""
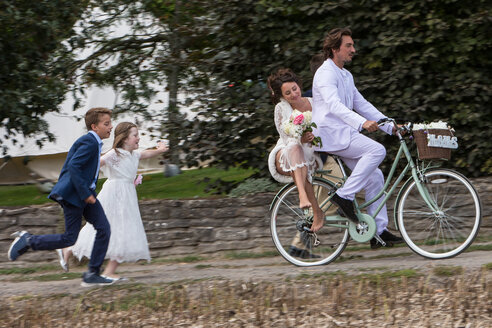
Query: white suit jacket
{"points": [[339, 108]]}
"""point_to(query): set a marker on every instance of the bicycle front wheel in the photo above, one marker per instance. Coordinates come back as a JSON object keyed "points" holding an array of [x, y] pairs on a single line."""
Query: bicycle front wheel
{"points": [[297, 246], [450, 230]]}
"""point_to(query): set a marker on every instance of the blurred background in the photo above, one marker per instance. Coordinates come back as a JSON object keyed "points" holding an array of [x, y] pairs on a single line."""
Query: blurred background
{"points": [[194, 72]]}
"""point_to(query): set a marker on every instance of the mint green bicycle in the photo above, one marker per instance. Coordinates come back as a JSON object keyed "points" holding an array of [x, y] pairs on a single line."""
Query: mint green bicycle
{"points": [[437, 211]]}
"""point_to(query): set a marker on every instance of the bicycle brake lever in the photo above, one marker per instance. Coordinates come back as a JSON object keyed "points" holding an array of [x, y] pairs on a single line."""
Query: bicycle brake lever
{"points": [[383, 120]]}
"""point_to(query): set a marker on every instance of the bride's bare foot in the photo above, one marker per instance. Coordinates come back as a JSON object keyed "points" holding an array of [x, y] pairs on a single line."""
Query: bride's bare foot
{"points": [[318, 221], [304, 202], [304, 205]]}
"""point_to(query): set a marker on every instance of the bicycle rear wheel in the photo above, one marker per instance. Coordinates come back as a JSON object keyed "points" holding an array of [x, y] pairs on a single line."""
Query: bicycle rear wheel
{"points": [[298, 246], [450, 230]]}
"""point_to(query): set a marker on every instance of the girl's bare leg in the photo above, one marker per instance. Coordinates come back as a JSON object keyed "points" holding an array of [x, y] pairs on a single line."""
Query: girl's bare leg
{"points": [[110, 269], [67, 252]]}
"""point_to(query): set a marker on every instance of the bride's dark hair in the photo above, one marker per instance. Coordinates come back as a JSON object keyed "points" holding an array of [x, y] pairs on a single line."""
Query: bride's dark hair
{"points": [[277, 79], [122, 132]]}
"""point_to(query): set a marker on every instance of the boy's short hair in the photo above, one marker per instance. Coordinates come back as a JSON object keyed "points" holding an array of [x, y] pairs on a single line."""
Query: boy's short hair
{"points": [[93, 115]]}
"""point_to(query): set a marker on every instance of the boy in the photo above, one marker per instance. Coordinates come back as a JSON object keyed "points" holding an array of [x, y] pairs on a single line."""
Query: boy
{"points": [[75, 192]]}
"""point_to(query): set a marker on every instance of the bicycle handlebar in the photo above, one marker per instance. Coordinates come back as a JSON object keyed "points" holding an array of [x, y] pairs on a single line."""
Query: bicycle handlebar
{"points": [[383, 120], [399, 129]]}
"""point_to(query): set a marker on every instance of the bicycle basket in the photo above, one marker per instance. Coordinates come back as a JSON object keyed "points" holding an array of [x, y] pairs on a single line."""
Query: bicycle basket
{"points": [[434, 143]]}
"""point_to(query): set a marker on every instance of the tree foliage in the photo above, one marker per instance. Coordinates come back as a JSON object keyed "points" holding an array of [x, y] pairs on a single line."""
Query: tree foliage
{"points": [[137, 48], [33, 79], [417, 61]]}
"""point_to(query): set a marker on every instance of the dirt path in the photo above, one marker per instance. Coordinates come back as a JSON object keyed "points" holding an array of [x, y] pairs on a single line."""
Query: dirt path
{"points": [[260, 269]]}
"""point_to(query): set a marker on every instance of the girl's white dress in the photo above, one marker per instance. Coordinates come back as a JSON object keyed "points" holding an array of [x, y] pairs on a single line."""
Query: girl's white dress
{"points": [[118, 197], [288, 162]]}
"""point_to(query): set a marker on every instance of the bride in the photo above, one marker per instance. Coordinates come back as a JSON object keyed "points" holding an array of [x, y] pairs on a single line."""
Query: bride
{"points": [[293, 159]]}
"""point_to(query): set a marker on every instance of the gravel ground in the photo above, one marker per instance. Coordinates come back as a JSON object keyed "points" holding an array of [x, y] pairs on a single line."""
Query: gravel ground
{"points": [[259, 269]]}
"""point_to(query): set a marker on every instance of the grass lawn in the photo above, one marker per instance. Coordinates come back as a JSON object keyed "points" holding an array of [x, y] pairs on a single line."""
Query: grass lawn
{"points": [[154, 186]]}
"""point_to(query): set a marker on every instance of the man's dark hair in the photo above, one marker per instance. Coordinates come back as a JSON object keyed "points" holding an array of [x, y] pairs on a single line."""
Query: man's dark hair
{"points": [[333, 40]]}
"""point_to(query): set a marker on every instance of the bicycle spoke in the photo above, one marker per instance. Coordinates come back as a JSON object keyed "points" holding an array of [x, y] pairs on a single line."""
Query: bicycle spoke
{"points": [[447, 232], [300, 247]]}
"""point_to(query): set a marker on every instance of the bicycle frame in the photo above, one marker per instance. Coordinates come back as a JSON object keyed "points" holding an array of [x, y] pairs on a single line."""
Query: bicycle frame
{"points": [[415, 172]]}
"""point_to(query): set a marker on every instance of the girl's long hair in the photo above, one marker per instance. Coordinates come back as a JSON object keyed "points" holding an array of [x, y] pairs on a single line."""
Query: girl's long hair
{"points": [[122, 132]]}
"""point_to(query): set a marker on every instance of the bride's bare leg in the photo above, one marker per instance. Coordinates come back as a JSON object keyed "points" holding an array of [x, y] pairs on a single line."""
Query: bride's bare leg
{"points": [[299, 176], [318, 219]]}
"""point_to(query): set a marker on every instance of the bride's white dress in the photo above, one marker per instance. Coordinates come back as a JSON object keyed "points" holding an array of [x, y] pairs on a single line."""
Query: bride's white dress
{"points": [[290, 158], [118, 197]]}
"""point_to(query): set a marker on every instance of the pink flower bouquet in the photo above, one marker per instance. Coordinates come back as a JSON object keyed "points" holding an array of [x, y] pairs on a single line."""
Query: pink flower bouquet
{"points": [[300, 123]]}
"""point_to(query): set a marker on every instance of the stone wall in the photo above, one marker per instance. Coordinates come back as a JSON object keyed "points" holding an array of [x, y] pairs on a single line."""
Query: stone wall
{"points": [[188, 227]]}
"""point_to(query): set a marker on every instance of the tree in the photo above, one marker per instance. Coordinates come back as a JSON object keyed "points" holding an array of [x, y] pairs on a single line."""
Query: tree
{"points": [[417, 61], [155, 50], [33, 75]]}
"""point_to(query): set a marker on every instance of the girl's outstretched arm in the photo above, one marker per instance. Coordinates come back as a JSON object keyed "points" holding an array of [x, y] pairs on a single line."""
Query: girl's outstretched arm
{"points": [[161, 148]]}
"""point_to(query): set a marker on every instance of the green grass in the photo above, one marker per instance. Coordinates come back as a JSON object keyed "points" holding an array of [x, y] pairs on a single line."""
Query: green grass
{"points": [[184, 259], [250, 255], [447, 271], [22, 195], [154, 186], [487, 247], [203, 266], [335, 274], [50, 277], [185, 185], [488, 266], [376, 277], [36, 269]]}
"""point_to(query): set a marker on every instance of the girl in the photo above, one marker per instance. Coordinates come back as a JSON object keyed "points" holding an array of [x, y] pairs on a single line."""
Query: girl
{"points": [[118, 197]]}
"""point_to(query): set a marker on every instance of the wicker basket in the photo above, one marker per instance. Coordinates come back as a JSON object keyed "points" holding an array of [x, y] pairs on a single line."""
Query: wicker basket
{"points": [[426, 152]]}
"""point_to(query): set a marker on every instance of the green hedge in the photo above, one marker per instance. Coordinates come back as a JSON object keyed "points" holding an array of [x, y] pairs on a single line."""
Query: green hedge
{"points": [[416, 61]]}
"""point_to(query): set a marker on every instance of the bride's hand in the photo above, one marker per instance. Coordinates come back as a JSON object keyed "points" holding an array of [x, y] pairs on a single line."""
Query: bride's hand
{"points": [[307, 137]]}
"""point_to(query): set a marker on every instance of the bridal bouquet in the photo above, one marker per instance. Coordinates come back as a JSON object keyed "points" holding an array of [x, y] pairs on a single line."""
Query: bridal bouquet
{"points": [[298, 124], [138, 180]]}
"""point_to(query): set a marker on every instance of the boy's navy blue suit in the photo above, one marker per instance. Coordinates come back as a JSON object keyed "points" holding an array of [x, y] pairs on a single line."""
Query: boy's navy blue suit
{"points": [[75, 184]]}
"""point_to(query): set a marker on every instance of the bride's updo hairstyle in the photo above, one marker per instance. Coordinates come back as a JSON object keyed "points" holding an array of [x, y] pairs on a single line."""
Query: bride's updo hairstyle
{"points": [[122, 132], [277, 79]]}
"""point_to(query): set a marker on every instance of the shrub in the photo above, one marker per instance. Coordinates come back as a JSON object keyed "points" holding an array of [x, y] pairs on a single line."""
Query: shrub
{"points": [[253, 186]]}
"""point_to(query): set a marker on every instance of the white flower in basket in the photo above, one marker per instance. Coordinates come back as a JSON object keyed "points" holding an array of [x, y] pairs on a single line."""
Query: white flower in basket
{"points": [[433, 125], [435, 138]]}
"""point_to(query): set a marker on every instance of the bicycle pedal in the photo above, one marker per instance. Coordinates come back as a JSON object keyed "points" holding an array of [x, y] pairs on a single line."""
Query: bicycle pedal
{"points": [[381, 241]]}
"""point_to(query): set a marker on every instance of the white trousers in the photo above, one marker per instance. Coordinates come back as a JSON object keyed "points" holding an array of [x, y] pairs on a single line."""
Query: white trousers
{"points": [[363, 157]]}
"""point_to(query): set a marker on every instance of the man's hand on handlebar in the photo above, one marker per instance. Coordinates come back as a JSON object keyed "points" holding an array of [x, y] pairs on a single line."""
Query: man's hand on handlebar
{"points": [[370, 126], [401, 128]]}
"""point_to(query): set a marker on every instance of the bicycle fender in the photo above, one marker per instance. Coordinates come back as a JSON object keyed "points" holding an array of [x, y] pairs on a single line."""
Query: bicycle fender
{"points": [[279, 193]]}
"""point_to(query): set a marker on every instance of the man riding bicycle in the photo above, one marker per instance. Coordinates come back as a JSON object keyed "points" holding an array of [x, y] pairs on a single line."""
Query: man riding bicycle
{"points": [[341, 112]]}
